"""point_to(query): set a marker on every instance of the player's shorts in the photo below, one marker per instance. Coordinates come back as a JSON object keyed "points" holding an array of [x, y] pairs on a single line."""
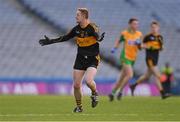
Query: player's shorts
{"points": [[152, 57], [84, 62], [124, 60]]}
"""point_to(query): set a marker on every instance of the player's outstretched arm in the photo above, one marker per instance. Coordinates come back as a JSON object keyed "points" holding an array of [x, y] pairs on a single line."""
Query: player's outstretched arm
{"points": [[48, 41]]}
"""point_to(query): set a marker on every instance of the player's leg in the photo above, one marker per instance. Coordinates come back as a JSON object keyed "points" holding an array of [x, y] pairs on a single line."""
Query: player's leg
{"points": [[117, 85], [157, 75], [144, 77], [128, 75], [78, 77], [90, 75]]}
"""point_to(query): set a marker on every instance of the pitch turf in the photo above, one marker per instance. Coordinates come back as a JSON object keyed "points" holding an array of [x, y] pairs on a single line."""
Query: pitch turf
{"points": [[60, 108]]}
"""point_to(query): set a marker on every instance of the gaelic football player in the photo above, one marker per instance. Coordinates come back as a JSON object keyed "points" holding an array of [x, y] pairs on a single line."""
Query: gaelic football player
{"points": [[131, 39], [87, 59], [153, 44]]}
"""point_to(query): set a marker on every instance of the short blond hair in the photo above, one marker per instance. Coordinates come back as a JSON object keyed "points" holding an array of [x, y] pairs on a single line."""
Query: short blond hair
{"points": [[84, 11]]}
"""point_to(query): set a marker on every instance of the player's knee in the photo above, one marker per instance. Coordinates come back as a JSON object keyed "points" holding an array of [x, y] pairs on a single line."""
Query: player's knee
{"points": [[89, 79], [129, 76], [77, 85], [129, 73]]}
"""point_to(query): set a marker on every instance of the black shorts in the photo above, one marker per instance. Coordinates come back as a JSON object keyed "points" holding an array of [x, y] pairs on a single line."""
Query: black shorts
{"points": [[152, 57], [83, 62]]}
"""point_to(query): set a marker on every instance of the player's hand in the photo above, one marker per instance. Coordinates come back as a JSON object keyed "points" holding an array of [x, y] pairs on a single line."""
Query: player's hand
{"points": [[113, 50], [101, 37], [45, 41], [138, 42]]}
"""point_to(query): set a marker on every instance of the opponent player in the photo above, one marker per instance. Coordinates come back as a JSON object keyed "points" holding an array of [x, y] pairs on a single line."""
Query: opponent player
{"points": [[131, 38], [153, 43], [87, 59]]}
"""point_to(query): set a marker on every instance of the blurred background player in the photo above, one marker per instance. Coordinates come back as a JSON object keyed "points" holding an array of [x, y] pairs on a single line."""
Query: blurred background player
{"points": [[167, 77], [153, 43], [131, 38], [87, 59]]}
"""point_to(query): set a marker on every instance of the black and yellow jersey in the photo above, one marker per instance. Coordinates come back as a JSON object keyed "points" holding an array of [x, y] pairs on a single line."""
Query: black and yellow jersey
{"points": [[86, 39], [153, 42]]}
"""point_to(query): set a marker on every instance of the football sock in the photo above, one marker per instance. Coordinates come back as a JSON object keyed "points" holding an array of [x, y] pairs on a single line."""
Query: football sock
{"points": [[94, 92], [78, 103]]}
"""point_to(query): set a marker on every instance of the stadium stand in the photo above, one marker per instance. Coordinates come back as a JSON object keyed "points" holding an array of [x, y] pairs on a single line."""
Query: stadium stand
{"points": [[25, 58], [116, 15]]}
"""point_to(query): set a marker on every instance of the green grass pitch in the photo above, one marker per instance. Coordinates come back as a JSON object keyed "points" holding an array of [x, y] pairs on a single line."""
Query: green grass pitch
{"points": [[56, 108]]}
